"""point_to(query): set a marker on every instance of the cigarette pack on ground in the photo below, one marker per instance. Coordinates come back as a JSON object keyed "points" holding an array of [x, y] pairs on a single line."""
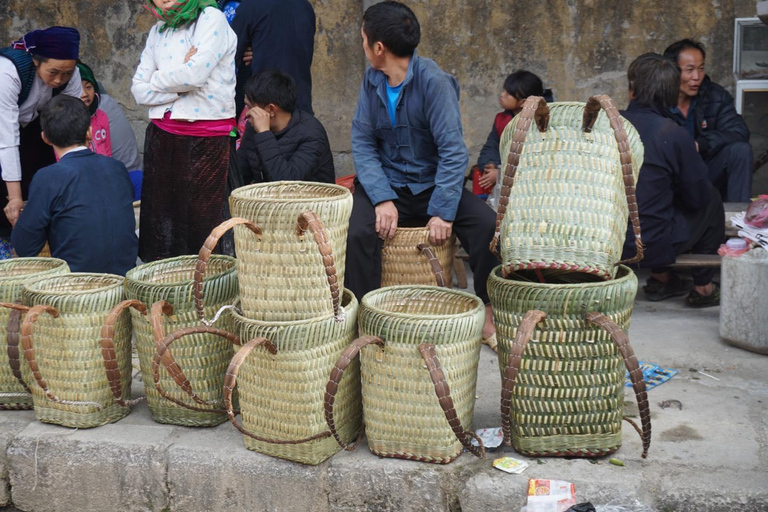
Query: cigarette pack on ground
{"points": [[550, 495], [510, 465]]}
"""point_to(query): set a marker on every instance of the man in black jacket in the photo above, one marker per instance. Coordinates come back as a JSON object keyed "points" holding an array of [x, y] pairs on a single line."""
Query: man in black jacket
{"points": [[680, 211], [280, 142], [707, 112]]}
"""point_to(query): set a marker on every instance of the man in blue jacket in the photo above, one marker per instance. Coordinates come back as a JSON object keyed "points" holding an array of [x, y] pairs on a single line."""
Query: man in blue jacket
{"points": [[680, 211], [83, 204], [410, 156], [707, 112]]}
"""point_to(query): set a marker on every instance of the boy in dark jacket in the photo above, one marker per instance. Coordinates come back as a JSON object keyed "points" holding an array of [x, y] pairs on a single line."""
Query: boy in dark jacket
{"points": [[280, 142], [707, 112], [83, 204]]}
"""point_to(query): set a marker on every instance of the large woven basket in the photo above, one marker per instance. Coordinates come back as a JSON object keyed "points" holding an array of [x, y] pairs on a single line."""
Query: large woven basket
{"points": [[14, 393], [298, 231], [564, 391], [76, 337], [409, 258], [419, 380], [203, 357], [568, 188], [281, 377]]}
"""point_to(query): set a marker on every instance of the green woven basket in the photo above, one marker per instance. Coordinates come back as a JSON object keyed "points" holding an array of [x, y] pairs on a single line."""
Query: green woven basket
{"points": [[77, 345], [568, 188], [281, 376], [414, 410], [563, 367], [202, 356], [14, 393]]}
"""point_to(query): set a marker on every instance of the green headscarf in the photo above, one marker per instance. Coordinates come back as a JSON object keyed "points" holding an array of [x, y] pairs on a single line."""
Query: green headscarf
{"points": [[86, 74], [184, 12]]}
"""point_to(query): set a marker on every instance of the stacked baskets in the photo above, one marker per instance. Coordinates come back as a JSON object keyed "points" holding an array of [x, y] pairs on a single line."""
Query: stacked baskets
{"points": [[567, 192]]}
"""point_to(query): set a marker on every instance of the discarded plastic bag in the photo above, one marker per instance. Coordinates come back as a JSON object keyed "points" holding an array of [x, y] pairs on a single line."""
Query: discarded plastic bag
{"points": [[757, 212]]}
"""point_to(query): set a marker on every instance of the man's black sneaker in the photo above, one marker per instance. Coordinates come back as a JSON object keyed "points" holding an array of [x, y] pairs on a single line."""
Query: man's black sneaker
{"points": [[696, 300], [655, 290]]}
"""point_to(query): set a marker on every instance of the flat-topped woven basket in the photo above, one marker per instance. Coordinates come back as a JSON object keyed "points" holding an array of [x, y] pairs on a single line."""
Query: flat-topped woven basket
{"points": [[281, 375], [14, 393], [568, 188], [419, 352], [288, 236], [76, 338], [563, 351], [202, 356]]}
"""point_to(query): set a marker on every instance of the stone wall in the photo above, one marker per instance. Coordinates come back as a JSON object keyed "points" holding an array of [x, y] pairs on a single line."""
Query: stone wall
{"points": [[579, 47]]}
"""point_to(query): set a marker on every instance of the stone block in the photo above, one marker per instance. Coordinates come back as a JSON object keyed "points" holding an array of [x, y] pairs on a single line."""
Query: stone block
{"points": [[744, 301], [114, 467], [11, 423]]}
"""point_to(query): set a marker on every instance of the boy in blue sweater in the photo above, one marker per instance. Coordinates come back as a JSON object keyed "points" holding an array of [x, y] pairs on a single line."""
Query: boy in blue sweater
{"points": [[81, 205]]}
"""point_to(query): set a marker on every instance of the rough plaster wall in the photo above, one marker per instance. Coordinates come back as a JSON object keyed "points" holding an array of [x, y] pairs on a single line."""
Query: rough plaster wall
{"points": [[579, 47]]}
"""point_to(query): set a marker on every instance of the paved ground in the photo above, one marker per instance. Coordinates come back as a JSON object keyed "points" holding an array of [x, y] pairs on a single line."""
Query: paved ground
{"points": [[710, 456]]}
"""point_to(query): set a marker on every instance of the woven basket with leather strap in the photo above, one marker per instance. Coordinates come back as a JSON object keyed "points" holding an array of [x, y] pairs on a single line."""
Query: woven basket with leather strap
{"points": [[14, 392], [419, 352], [202, 357], [288, 235], [569, 186], [563, 351], [281, 375], [76, 338], [409, 258]]}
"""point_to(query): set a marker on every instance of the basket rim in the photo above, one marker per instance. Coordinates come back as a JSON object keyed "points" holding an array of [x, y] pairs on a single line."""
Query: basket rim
{"points": [[130, 279], [365, 303], [239, 317], [629, 274], [240, 192], [35, 259], [116, 282]]}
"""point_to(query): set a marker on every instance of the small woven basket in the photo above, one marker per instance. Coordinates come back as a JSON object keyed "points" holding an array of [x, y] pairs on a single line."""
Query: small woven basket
{"points": [[282, 270], [409, 258], [76, 337], [281, 375], [411, 412], [569, 186], [14, 273], [202, 356], [563, 392]]}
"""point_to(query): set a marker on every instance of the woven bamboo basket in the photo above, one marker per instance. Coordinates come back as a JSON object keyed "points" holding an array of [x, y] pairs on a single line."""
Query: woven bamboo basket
{"points": [[76, 338], [569, 186], [282, 270], [563, 393], [281, 377], [409, 258], [411, 412], [202, 357], [14, 393]]}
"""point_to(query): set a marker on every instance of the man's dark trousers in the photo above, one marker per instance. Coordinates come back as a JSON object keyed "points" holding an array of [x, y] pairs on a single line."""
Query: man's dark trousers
{"points": [[730, 171], [474, 226]]}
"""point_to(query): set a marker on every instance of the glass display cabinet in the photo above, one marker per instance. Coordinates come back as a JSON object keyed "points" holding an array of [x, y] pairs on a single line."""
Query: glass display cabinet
{"points": [[750, 58]]}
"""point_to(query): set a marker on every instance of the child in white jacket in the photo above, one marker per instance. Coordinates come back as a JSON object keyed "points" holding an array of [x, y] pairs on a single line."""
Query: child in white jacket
{"points": [[187, 79]]}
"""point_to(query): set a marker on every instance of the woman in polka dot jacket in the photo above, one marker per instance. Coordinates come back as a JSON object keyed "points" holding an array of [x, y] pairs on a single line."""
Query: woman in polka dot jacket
{"points": [[186, 77]]}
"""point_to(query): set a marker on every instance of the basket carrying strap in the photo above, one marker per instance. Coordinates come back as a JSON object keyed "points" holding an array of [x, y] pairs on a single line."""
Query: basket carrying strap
{"points": [[109, 353], [434, 264], [443, 392], [163, 355], [621, 339], [591, 111], [534, 108], [230, 381], [337, 373], [524, 332], [13, 330], [309, 221], [205, 254]]}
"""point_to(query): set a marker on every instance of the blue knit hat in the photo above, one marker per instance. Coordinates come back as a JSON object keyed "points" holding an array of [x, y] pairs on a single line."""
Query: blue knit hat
{"points": [[61, 43]]}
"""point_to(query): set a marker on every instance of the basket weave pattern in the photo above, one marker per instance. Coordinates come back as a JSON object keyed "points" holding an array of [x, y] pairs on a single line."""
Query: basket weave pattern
{"points": [[13, 274], [203, 357], [569, 395], [281, 395], [282, 274], [68, 349], [402, 415], [403, 263]]}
